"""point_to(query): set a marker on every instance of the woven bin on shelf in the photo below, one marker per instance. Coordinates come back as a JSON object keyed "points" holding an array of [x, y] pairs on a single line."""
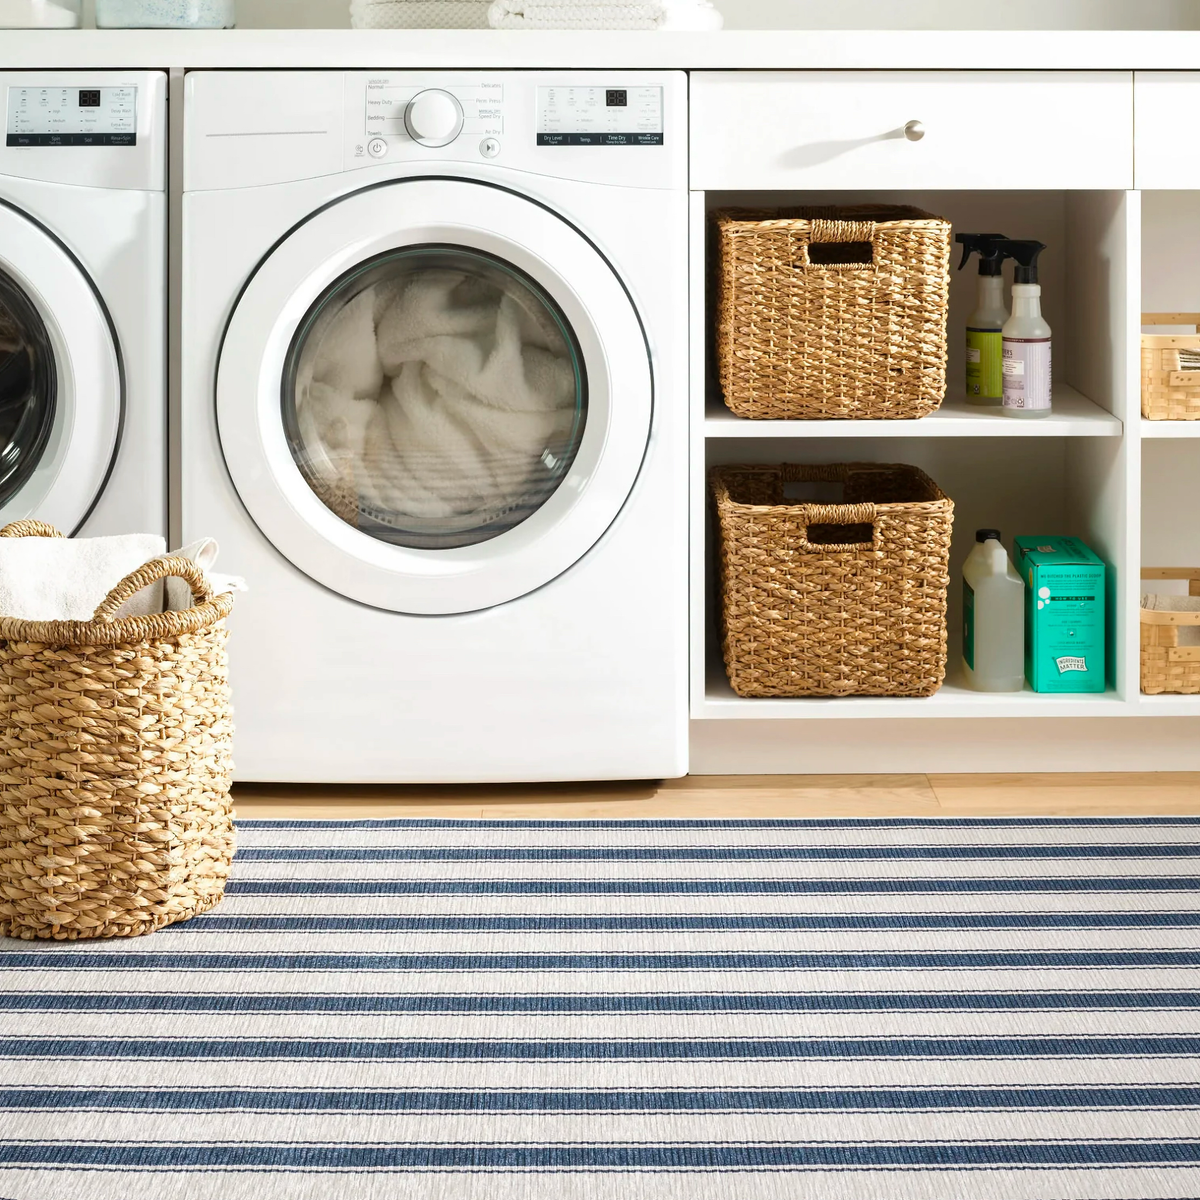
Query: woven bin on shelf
{"points": [[1171, 369], [115, 736], [802, 337], [833, 599], [1168, 667]]}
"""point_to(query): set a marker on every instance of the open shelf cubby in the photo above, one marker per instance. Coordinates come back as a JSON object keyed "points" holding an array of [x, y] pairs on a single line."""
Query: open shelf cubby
{"points": [[1075, 472]]}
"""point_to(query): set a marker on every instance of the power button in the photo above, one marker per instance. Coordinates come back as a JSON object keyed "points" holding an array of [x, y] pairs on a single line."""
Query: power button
{"points": [[377, 148], [489, 147]]}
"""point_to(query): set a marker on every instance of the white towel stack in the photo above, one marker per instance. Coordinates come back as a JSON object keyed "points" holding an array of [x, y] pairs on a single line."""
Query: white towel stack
{"points": [[1189, 635], [529, 14], [419, 14], [614, 14]]}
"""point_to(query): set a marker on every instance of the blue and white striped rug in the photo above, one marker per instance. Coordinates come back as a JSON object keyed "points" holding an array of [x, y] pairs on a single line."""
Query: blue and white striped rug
{"points": [[710, 1010]]}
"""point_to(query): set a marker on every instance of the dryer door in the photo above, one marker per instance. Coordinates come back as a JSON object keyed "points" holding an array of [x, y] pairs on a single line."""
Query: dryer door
{"points": [[434, 396], [60, 380]]}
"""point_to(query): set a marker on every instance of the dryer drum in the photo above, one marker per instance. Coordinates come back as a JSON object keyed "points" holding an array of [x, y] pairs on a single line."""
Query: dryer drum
{"points": [[28, 388]]}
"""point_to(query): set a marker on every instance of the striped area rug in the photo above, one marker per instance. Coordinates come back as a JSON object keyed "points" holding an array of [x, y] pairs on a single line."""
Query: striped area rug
{"points": [[845, 1010]]}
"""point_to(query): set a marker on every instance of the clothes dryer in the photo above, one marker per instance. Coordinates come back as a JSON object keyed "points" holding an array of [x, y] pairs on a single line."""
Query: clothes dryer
{"points": [[83, 301], [435, 409]]}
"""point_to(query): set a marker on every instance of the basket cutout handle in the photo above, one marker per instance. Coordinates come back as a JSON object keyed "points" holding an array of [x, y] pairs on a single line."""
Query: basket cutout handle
{"points": [[19, 529], [152, 572], [859, 517], [844, 245], [1191, 574], [1172, 318]]}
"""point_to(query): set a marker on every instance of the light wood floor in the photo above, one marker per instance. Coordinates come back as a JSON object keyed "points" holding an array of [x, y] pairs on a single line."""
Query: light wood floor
{"points": [[747, 796]]}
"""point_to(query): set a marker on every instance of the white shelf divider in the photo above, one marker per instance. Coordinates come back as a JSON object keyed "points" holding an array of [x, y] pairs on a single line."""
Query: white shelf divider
{"points": [[954, 699], [1074, 415], [1170, 429]]}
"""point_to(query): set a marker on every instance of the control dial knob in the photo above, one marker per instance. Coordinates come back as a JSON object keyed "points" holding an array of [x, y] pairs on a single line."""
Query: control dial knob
{"points": [[433, 118]]}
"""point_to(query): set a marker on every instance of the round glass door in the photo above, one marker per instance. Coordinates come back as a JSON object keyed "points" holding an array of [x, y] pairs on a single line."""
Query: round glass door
{"points": [[434, 397], [61, 392], [28, 388]]}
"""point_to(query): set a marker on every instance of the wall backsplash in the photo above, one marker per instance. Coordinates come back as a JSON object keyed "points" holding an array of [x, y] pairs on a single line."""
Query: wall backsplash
{"points": [[844, 14]]}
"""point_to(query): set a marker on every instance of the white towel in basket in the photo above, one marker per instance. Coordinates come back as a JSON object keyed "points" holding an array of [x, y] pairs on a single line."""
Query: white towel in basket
{"points": [[64, 579], [529, 14], [419, 14], [1189, 635]]}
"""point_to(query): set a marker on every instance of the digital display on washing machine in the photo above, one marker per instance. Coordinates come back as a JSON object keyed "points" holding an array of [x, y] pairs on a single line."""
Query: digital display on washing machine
{"points": [[71, 116], [596, 116]]}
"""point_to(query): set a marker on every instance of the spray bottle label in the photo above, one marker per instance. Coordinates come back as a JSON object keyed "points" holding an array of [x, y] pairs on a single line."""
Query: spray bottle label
{"points": [[1026, 367], [984, 352]]}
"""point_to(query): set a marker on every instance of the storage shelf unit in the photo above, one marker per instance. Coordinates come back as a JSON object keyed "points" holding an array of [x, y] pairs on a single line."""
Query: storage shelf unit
{"points": [[1078, 471]]}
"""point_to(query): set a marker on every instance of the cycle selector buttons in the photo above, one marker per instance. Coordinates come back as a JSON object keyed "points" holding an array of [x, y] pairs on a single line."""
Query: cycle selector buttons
{"points": [[433, 118]]}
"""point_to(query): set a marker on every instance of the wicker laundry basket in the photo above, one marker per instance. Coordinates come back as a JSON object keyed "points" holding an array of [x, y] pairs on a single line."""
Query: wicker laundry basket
{"points": [[833, 599], [115, 735], [1171, 369], [832, 313], [1168, 667]]}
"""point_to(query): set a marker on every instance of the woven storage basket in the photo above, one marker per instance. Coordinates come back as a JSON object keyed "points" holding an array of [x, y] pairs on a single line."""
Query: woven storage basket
{"points": [[1171, 369], [803, 337], [115, 733], [833, 599], [1166, 665]]}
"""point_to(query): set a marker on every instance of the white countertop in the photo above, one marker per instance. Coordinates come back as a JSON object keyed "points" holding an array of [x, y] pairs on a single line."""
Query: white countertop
{"points": [[729, 50]]}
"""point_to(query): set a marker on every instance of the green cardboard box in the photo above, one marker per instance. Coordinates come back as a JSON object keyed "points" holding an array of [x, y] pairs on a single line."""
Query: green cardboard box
{"points": [[1064, 614]]}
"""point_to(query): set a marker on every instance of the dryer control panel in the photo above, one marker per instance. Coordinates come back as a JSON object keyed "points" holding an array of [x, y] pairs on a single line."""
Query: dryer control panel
{"points": [[72, 116]]}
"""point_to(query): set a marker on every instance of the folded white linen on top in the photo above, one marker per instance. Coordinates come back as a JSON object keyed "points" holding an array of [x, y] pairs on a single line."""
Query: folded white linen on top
{"points": [[419, 14], [529, 14], [432, 397], [65, 579]]}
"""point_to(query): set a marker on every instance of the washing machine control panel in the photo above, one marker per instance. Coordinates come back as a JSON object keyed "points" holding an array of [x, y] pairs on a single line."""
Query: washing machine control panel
{"points": [[431, 116], [71, 116]]}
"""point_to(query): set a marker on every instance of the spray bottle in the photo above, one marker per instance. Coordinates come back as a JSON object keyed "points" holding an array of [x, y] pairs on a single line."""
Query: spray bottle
{"points": [[1026, 346], [984, 378]]}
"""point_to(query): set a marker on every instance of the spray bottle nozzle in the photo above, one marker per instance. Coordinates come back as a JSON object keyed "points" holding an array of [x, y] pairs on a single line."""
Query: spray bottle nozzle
{"points": [[991, 259], [1025, 255]]}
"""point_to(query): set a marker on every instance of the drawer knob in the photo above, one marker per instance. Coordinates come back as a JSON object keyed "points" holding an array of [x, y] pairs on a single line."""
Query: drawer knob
{"points": [[914, 131]]}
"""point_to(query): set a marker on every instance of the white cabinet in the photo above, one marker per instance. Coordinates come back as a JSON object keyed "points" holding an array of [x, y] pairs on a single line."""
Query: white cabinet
{"points": [[1165, 104], [912, 129]]}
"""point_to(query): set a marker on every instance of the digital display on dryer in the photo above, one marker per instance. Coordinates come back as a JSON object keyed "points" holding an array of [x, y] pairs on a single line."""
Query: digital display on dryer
{"points": [[595, 116], [74, 116]]}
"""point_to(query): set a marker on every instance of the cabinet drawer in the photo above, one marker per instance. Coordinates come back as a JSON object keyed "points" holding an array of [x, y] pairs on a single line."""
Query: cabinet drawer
{"points": [[1165, 106], [847, 129]]}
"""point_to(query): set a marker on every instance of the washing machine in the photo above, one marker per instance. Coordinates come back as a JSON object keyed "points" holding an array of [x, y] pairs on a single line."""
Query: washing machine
{"points": [[435, 411], [83, 218]]}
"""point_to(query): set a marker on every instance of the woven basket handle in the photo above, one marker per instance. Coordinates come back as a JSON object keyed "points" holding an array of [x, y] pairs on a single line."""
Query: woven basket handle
{"points": [[153, 571], [29, 529], [837, 514], [1191, 574], [1172, 318], [833, 232]]}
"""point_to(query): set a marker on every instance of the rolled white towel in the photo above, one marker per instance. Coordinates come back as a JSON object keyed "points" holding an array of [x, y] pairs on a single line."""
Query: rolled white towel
{"points": [[528, 14], [65, 579], [1189, 635], [419, 14]]}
